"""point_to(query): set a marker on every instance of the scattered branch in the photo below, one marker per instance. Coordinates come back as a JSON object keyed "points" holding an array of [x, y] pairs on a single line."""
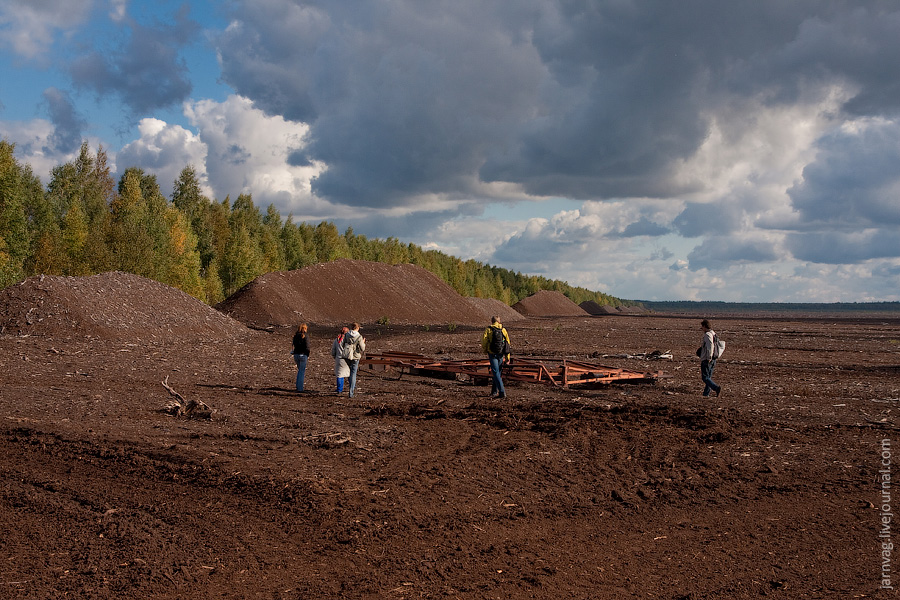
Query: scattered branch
{"points": [[180, 407]]}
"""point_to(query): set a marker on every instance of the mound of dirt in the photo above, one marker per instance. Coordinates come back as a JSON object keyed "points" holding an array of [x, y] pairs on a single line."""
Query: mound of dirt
{"points": [[633, 310], [113, 305], [350, 290], [548, 304], [491, 307], [593, 308]]}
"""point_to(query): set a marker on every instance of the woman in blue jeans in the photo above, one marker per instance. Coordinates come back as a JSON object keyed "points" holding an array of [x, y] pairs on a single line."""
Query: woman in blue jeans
{"points": [[300, 352]]}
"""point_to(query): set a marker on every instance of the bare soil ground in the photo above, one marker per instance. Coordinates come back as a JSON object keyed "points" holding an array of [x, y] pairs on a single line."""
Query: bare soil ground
{"points": [[428, 488]]}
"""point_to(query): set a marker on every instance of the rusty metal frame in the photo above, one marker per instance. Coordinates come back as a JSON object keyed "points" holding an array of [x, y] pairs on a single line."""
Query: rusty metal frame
{"points": [[558, 373]]}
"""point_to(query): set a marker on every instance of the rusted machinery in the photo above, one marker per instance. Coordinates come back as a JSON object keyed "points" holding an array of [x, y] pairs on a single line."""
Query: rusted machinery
{"points": [[559, 373]]}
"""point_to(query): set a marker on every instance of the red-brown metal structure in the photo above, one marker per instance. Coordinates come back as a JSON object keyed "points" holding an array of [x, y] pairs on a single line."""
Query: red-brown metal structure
{"points": [[559, 373]]}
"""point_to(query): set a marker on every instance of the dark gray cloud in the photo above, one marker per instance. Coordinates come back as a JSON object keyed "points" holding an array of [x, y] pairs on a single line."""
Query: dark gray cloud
{"points": [[644, 226], [146, 71], [299, 158], [67, 123], [833, 247], [855, 41], [717, 252], [699, 219], [854, 181], [401, 99], [591, 99]]}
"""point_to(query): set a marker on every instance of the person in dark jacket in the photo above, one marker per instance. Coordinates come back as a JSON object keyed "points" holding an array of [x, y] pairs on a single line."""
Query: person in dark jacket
{"points": [[300, 352]]}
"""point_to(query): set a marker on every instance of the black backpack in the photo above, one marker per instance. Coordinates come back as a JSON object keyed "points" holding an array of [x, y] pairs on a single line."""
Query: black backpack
{"points": [[498, 343]]}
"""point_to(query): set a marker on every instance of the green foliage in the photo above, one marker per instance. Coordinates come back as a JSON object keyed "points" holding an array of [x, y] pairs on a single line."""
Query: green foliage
{"points": [[83, 223], [15, 236], [182, 257], [243, 261]]}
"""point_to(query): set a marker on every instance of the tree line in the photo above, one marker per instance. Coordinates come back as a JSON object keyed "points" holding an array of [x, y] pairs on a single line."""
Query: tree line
{"points": [[84, 223]]}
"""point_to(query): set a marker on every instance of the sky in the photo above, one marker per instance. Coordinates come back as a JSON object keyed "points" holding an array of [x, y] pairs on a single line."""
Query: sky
{"points": [[744, 151]]}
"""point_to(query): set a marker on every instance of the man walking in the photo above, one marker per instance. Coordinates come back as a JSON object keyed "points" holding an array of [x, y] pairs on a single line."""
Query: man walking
{"points": [[708, 352], [354, 347], [495, 343]]}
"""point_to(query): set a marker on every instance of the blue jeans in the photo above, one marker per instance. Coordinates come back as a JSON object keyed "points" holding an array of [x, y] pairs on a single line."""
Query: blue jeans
{"points": [[354, 367], [706, 372], [300, 359], [496, 381]]}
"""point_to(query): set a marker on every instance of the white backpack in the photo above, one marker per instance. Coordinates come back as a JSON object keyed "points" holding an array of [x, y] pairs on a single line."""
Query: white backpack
{"points": [[348, 345], [718, 347]]}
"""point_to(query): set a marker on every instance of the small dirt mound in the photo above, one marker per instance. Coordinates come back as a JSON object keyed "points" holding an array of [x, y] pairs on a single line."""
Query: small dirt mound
{"points": [[491, 307], [350, 290], [548, 304], [593, 308], [111, 305]]}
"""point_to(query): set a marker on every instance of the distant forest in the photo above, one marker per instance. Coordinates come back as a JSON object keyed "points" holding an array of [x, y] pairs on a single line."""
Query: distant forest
{"points": [[84, 223], [725, 308]]}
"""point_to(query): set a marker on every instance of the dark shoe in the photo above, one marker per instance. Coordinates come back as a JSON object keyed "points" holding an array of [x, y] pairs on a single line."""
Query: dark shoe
{"points": [[501, 396], [719, 393]]}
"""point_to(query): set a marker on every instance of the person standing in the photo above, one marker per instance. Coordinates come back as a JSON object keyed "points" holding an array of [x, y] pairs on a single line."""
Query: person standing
{"points": [[300, 352], [495, 343], [708, 353], [341, 370], [354, 347]]}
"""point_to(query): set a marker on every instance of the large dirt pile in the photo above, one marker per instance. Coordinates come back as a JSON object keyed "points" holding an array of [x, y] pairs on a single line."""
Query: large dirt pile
{"points": [[112, 305], [548, 304], [350, 290], [595, 308], [491, 307]]}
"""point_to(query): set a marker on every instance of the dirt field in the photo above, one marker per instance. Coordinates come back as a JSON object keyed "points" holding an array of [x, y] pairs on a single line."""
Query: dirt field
{"points": [[428, 488]]}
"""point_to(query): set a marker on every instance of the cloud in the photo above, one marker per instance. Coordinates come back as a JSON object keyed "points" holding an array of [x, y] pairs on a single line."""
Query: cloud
{"points": [[719, 252], [855, 179], [402, 98], [68, 125], [147, 71], [645, 227], [699, 219], [164, 150], [249, 152], [29, 27], [37, 145], [598, 100], [836, 247], [848, 42], [587, 238]]}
